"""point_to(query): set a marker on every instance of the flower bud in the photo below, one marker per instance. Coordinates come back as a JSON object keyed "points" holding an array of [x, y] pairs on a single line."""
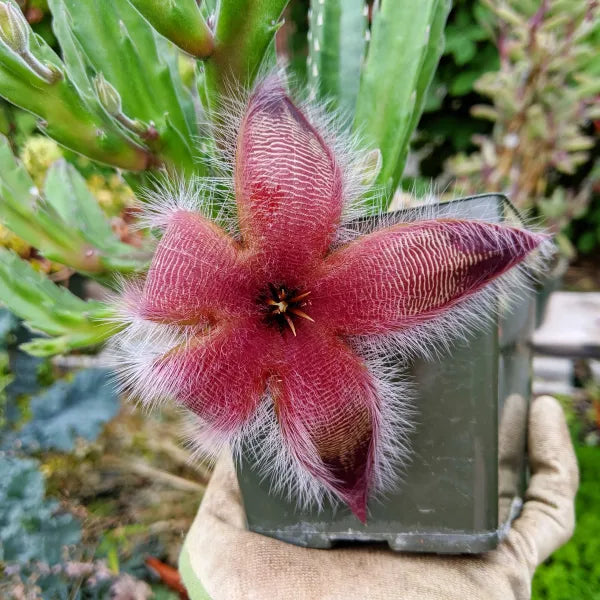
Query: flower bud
{"points": [[370, 166], [14, 29], [108, 95]]}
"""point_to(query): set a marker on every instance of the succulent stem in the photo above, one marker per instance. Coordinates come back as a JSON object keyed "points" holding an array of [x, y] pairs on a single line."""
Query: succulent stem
{"points": [[49, 74], [407, 38], [243, 31], [336, 47], [181, 22]]}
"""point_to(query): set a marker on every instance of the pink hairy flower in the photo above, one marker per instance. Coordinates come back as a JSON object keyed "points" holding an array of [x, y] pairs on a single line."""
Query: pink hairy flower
{"points": [[273, 335]]}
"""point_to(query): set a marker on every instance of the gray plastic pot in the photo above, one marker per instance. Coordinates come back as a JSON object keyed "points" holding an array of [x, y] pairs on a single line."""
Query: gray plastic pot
{"points": [[457, 495]]}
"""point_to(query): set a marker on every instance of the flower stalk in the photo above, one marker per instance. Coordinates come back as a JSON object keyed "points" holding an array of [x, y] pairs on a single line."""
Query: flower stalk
{"points": [[111, 101]]}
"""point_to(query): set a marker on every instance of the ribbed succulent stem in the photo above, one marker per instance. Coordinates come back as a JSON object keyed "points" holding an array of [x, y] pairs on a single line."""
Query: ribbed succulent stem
{"points": [[47, 307], [430, 59], [64, 222], [405, 46], [243, 31], [181, 22], [139, 77], [65, 116], [336, 47]]}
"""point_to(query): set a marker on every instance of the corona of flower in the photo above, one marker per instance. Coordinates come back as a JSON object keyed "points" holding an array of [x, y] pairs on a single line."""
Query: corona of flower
{"points": [[275, 336]]}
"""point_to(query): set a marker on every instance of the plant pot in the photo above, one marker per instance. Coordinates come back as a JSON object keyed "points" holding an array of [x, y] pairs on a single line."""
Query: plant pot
{"points": [[456, 495]]}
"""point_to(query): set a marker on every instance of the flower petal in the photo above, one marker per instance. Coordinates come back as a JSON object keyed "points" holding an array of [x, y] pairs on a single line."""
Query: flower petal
{"points": [[326, 404], [195, 273], [288, 186], [221, 375], [403, 275]]}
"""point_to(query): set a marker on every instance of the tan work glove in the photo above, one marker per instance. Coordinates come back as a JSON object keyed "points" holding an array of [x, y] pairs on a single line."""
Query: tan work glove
{"points": [[222, 560]]}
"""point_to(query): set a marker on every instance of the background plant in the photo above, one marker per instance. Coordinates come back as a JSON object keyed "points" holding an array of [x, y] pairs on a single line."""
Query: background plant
{"points": [[544, 102], [447, 126], [574, 569]]}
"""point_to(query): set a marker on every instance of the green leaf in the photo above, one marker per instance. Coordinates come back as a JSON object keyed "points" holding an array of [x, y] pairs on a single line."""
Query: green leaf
{"points": [[462, 48], [66, 411], [485, 61], [463, 33], [406, 43], [336, 47], [51, 309], [587, 242]]}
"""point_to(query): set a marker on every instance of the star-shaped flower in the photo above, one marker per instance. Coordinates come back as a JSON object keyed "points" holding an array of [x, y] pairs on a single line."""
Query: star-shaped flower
{"points": [[266, 335]]}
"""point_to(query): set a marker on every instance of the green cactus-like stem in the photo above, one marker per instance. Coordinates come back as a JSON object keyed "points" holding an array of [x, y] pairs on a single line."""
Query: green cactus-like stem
{"points": [[430, 60], [181, 22], [65, 224], [66, 193], [69, 122], [336, 46], [243, 32], [406, 42], [24, 214], [56, 243]]}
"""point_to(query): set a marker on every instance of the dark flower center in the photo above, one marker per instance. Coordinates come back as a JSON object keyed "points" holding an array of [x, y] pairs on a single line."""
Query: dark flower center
{"points": [[283, 306]]}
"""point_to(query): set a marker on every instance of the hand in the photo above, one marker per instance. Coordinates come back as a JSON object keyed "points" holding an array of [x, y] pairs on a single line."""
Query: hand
{"points": [[231, 563]]}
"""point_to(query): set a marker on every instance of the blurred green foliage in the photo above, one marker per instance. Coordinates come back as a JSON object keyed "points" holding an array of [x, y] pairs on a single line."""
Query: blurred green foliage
{"points": [[542, 102], [573, 571], [585, 230], [45, 418], [463, 89], [447, 126]]}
